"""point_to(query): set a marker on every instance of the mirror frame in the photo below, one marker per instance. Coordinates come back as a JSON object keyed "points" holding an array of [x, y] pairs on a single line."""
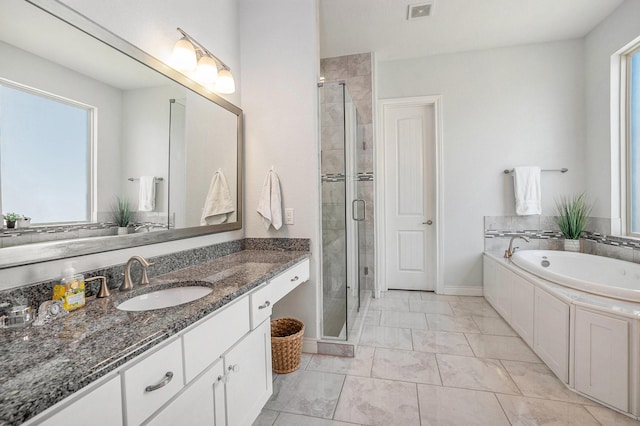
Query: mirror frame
{"points": [[47, 251]]}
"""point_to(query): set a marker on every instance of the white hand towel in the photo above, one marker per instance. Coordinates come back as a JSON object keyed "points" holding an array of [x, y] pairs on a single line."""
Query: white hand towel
{"points": [[218, 203], [147, 194], [526, 184], [270, 204]]}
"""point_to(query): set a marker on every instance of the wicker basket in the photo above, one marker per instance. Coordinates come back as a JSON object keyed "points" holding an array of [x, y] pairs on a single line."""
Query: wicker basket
{"points": [[286, 344]]}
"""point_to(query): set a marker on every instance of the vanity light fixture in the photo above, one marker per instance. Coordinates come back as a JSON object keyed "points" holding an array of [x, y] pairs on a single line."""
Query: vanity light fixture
{"points": [[192, 58]]}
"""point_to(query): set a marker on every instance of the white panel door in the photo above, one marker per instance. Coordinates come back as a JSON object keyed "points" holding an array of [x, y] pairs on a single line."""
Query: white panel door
{"points": [[602, 358], [409, 141], [551, 333]]}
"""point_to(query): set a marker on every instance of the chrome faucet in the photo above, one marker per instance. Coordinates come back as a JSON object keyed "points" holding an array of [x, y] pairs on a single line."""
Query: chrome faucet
{"points": [[128, 284], [509, 252]]}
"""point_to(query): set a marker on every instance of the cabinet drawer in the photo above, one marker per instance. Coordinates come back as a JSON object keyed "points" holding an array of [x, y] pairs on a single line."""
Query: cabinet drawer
{"points": [[205, 343], [152, 382], [282, 284], [261, 304]]}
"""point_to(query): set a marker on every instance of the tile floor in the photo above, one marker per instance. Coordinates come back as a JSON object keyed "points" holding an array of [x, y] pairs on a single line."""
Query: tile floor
{"points": [[425, 359]]}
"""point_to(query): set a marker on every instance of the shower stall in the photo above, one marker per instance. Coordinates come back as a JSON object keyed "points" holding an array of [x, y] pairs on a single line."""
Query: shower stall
{"points": [[345, 293]]}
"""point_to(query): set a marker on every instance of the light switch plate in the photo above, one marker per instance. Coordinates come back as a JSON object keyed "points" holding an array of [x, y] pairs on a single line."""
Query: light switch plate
{"points": [[288, 216]]}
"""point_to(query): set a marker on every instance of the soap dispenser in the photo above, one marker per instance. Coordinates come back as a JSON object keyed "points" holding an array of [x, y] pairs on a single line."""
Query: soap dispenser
{"points": [[70, 291]]}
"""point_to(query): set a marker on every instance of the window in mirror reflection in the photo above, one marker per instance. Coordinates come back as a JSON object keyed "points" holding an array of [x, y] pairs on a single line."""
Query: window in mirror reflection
{"points": [[45, 156]]}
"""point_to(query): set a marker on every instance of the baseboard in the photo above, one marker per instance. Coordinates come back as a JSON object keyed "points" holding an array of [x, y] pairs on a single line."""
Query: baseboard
{"points": [[309, 345], [463, 290]]}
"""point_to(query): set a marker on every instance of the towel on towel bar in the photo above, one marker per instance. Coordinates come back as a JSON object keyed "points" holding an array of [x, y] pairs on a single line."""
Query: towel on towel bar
{"points": [[526, 185], [218, 204], [147, 194], [270, 203]]}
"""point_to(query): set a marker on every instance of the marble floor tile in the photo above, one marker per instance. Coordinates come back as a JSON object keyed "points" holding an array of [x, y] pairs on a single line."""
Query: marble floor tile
{"points": [[378, 402], [429, 295], [473, 301], [475, 308], [372, 317], [442, 342], [386, 337], [403, 319], [610, 418], [360, 365], [389, 304], [306, 392], [501, 347], [407, 366], [266, 418], [475, 373], [430, 307], [401, 294], [287, 419], [538, 381], [532, 411], [443, 406], [304, 360], [460, 324], [493, 325]]}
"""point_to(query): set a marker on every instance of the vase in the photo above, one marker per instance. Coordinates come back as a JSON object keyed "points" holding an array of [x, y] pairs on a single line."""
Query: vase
{"points": [[571, 245], [123, 230], [11, 224]]}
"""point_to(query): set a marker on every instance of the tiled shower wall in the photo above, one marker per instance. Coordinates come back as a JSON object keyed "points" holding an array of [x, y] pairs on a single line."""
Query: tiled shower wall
{"points": [[545, 235], [356, 72]]}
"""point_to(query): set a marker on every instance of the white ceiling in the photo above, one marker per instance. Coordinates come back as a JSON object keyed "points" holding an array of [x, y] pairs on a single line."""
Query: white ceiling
{"points": [[358, 26]]}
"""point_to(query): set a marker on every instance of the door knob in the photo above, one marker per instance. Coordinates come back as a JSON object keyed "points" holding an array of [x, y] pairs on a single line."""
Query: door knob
{"points": [[429, 222]]}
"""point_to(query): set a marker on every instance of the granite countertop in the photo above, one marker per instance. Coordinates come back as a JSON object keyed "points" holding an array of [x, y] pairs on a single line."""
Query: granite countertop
{"points": [[40, 366]]}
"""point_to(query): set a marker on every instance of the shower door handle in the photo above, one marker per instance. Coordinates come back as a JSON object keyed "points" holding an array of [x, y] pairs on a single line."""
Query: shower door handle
{"points": [[354, 210]]}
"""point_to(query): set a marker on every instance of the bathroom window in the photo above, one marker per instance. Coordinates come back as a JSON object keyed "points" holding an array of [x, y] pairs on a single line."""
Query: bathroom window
{"points": [[45, 156]]}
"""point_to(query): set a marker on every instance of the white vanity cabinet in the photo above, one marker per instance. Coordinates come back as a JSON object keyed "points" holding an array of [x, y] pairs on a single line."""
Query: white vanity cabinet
{"points": [[216, 372], [602, 342]]}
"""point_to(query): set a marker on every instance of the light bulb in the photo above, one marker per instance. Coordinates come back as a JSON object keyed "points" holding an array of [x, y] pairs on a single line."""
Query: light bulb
{"points": [[225, 82], [184, 55], [207, 71]]}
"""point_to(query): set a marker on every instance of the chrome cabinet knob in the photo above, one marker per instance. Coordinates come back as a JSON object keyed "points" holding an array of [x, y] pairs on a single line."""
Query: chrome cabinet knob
{"points": [[429, 222], [266, 305]]}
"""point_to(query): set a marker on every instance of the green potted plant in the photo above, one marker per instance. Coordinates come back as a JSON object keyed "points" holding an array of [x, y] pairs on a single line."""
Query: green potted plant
{"points": [[11, 219], [121, 214], [572, 219]]}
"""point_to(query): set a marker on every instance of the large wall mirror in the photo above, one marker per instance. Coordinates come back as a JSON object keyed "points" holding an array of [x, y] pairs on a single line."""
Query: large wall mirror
{"points": [[87, 122]]}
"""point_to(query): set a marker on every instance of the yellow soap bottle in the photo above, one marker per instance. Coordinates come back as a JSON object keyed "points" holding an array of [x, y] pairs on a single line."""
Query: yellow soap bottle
{"points": [[70, 290]]}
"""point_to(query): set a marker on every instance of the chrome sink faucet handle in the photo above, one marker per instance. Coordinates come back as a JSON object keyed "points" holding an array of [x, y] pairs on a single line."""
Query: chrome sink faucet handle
{"points": [[509, 252], [128, 282]]}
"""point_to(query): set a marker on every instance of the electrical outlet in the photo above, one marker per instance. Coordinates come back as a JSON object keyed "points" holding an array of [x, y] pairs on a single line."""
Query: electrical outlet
{"points": [[288, 216]]}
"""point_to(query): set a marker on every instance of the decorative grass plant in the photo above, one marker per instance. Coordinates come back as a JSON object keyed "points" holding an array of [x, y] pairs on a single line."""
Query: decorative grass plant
{"points": [[121, 212], [573, 215]]}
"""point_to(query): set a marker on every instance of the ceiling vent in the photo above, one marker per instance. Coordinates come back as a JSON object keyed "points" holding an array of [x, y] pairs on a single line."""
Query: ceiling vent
{"points": [[422, 10]]}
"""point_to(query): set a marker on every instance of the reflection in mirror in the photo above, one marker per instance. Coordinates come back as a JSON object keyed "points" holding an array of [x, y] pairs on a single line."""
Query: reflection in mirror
{"points": [[82, 123]]}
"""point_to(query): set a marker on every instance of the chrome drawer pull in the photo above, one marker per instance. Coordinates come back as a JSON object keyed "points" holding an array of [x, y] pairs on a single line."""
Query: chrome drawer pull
{"points": [[163, 382], [296, 278], [266, 305]]}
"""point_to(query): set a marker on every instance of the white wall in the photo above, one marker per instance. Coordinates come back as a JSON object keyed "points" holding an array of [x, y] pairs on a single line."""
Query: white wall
{"points": [[501, 108], [280, 61], [602, 158], [150, 25]]}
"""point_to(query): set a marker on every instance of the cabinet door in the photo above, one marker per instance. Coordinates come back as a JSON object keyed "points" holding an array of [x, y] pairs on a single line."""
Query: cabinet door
{"points": [[201, 403], [249, 384], [522, 308], [489, 280], [551, 333], [503, 292], [602, 358], [100, 407]]}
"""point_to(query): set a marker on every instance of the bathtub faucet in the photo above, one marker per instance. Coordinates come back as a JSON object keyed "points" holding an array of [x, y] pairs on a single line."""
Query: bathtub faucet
{"points": [[509, 252]]}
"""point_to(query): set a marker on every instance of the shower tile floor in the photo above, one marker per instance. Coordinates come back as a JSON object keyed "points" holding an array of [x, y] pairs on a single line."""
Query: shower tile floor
{"points": [[426, 359]]}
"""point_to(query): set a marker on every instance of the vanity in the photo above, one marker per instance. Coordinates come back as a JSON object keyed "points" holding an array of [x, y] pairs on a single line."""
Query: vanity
{"points": [[203, 362]]}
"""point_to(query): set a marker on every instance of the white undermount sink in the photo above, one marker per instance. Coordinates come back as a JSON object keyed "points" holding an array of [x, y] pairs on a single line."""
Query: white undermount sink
{"points": [[164, 298]]}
